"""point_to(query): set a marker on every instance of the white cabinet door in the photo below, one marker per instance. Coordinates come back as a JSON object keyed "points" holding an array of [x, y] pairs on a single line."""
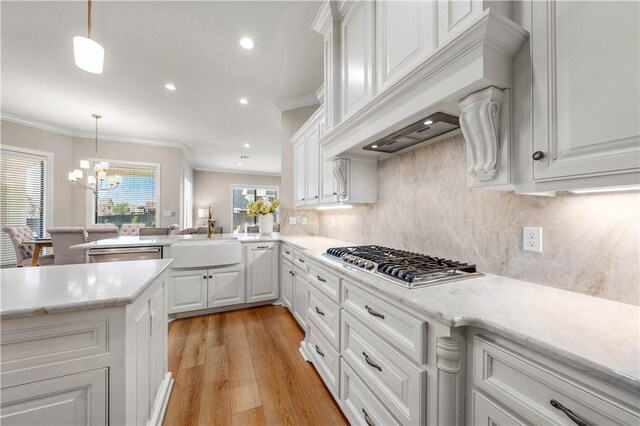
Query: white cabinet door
{"points": [[486, 412], [188, 291], [262, 271], [286, 283], [158, 356], [405, 37], [357, 34], [300, 299], [328, 189], [585, 88], [300, 171], [77, 399], [226, 286], [313, 183], [454, 16]]}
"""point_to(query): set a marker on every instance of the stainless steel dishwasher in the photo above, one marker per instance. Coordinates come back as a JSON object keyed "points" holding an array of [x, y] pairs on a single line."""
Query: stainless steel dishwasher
{"points": [[124, 253]]}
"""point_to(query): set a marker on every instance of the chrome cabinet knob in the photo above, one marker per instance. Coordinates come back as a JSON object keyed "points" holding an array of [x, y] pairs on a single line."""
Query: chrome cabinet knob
{"points": [[537, 156]]}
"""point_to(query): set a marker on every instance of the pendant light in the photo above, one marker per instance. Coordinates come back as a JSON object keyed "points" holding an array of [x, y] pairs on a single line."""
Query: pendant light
{"points": [[89, 55]]}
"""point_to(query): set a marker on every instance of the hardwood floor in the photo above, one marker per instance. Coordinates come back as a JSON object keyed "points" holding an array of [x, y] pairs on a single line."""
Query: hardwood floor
{"points": [[243, 368]]}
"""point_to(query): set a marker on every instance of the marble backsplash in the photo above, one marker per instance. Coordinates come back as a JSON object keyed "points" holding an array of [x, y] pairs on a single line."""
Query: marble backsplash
{"points": [[312, 227], [591, 243]]}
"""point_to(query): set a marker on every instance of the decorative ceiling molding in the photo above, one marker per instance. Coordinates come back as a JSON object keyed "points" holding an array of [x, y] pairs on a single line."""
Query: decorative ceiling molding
{"points": [[298, 102], [75, 133]]}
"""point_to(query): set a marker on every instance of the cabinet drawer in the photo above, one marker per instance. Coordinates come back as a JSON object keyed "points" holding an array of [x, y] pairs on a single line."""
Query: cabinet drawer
{"points": [[287, 253], [325, 358], [528, 387], [486, 412], [77, 399], [325, 314], [300, 262], [359, 404], [403, 331], [399, 383], [324, 280]]}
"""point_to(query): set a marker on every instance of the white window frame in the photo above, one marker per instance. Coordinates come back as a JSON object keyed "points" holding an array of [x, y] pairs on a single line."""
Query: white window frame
{"points": [[48, 180], [248, 185], [90, 213], [186, 211]]}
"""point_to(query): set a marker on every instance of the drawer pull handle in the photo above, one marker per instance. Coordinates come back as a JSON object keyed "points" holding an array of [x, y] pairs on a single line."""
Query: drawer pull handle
{"points": [[371, 363], [321, 279], [575, 418], [263, 247], [300, 260], [210, 276], [204, 276], [319, 311], [287, 251], [366, 418], [372, 312], [291, 273], [318, 350]]}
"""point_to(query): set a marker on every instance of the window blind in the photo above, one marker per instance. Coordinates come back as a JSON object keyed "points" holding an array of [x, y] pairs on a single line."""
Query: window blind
{"points": [[133, 201], [22, 196]]}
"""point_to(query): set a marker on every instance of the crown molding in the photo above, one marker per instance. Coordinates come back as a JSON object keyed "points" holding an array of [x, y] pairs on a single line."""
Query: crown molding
{"points": [[298, 102], [75, 133], [237, 172]]}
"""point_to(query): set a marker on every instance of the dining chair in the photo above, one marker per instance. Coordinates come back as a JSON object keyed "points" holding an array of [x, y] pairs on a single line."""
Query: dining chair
{"points": [[62, 239], [276, 227], [95, 233], [215, 230], [253, 229], [153, 231], [24, 252], [131, 229]]}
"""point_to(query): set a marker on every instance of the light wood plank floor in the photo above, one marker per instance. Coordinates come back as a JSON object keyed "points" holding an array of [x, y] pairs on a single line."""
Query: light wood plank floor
{"points": [[243, 368]]}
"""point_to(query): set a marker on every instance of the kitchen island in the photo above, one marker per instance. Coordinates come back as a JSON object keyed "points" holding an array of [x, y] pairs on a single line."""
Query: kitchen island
{"points": [[84, 344]]}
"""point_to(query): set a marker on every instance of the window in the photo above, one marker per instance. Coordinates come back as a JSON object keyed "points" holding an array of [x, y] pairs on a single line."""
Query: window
{"points": [[243, 195], [23, 195], [187, 203], [133, 201]]}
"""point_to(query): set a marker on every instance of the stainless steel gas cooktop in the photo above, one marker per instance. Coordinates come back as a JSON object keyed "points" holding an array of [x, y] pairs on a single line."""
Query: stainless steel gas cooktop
{"points": [[401, 267]]}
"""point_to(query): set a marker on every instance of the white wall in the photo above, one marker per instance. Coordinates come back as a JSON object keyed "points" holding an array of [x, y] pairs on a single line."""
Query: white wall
{"points": [[214, 189], [70, 203]]}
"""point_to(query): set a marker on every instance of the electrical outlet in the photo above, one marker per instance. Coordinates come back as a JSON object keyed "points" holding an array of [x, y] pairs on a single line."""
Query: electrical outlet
{"points": [[532, 239], [292, 220], [303, 220]]}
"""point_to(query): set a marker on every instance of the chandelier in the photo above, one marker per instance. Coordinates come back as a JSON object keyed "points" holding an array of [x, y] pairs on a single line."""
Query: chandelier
{"points": [[94, 182]]}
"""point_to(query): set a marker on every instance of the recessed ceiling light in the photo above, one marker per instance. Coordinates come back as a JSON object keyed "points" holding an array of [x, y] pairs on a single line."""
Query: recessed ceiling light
{"points": [[243, 101], [247, 43], [170, 86], [374, 146], [239, 164], [428, 122], [246, 145]]}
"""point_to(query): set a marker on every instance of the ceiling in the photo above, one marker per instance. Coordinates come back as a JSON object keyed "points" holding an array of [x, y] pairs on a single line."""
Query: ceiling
{"points": [[193, 45]]}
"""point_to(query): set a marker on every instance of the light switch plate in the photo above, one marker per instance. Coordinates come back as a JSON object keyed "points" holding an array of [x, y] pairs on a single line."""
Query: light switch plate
{"points": [[303, 220], [292, 220], [532, 239]]}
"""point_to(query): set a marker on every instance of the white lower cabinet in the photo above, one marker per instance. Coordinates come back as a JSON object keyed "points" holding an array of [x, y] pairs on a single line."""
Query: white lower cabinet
{"points": [[77, 399], [91, 367], [359, 404], [325, 359], [286, 284], [487, 412], [225, 286], [188, 290], [300, 298], [262, 271]]}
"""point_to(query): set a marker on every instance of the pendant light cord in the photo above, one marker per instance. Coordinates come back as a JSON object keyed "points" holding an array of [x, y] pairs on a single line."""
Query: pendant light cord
{"points": [[89, 23]]}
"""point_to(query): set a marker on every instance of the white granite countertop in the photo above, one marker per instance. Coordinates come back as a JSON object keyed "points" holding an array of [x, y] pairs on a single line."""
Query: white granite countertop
{"points": [[65, 288]]}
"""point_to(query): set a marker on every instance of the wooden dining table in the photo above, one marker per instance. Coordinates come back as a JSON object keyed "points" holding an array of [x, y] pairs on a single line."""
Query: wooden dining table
{"points": [[37, 248]]}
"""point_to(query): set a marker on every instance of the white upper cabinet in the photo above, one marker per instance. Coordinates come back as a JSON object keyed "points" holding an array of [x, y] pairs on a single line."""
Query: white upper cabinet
{"points": [[313, 184], [585, 90], [404, 38], [306, 157], [455, 15], [300, 170], [357, 48]]}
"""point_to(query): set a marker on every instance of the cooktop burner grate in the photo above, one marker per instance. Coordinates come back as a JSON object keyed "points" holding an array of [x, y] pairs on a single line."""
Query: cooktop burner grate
{"points": [[403, 267]]}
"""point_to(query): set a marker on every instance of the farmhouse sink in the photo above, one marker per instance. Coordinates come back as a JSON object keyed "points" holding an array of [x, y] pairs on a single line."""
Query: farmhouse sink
{"points": [[205, 253]]}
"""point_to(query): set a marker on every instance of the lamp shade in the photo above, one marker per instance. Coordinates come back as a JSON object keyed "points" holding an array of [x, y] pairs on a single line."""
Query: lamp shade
{"points": [[89, 55], [202, 213]]}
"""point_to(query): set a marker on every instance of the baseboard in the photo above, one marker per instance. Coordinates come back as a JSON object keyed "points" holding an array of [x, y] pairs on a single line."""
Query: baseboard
{"points": [[162, 401], [188, 314]]}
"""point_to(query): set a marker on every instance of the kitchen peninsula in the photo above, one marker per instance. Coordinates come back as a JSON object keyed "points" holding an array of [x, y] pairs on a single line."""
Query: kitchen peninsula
{"points": [[85, 344]]}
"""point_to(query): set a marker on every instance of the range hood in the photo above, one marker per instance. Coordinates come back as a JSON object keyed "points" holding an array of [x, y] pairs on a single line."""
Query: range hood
{"points": [[427, 128]]}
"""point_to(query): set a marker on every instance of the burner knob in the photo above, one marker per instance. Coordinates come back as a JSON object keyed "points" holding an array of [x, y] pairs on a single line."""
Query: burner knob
{"points": [[369, 265]]}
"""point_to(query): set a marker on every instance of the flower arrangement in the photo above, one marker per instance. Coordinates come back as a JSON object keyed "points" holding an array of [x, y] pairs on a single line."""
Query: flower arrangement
{"points": [[262, 207]]}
